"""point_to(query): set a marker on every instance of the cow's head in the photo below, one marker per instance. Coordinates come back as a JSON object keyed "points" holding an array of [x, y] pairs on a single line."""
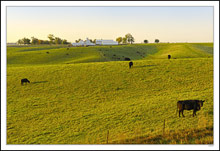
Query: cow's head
{"points": [[201, 103]]}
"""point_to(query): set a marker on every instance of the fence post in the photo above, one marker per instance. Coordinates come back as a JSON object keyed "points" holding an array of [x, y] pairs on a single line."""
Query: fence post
{"points": [[163, 126], [107, 137]]}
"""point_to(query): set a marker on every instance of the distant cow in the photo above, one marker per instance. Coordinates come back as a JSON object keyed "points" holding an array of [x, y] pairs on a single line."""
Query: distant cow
{"points": [[169, 56], [194, 105], [24, 81], [130, 64], [127, 59]]}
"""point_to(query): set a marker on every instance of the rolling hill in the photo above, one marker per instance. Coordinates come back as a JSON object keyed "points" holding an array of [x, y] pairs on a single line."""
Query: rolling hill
{"points": [[80, 97]]}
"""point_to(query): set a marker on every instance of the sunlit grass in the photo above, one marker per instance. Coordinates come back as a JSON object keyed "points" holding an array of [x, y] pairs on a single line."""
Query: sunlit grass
{"points": [[77, 103]]}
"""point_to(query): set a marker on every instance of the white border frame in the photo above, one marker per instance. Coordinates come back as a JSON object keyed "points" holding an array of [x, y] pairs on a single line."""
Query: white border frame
{"points": [[215, 4]]}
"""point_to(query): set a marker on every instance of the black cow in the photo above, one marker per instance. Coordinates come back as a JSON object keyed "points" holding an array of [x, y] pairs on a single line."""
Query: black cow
{"points": [[24, 81], [169, 56], [194, 105], [130, 64], [127, 59]]}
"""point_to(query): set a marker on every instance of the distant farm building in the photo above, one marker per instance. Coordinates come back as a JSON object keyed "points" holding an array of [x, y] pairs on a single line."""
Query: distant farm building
{"points": [[87, 42], [106, 42]]}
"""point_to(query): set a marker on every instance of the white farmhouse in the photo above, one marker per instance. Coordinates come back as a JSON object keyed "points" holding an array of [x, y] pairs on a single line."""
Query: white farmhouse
{"points": [[106, 42], [87, 42], [80, 43]]}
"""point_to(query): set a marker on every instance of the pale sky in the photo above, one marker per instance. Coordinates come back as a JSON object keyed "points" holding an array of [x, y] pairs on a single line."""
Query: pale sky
{"points": [[168, 24]]}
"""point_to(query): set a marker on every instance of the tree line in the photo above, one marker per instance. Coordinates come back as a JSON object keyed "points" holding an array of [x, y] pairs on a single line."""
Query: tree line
{"points": [[128, 38], [36, 41], [125, 40]]}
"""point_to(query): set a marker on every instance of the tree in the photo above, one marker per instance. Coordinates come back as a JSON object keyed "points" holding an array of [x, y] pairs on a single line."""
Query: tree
{"points": [[57, 40], [64, 41], [78, 40], [124, 40], [157, 41], [51, 38], [130, 38], [20, 41], [119, 39], [40, 41], [94, 41], [34, 41], [26, 41], [46, 42], [145, 41]]}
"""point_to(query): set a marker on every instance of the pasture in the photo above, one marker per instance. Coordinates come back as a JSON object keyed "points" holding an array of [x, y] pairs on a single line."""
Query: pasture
{"points": [[78, 98]]}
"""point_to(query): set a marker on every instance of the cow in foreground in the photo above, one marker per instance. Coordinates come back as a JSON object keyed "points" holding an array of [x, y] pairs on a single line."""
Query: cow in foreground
{"points": [[24, 81], [130, 64], [194, 105]]}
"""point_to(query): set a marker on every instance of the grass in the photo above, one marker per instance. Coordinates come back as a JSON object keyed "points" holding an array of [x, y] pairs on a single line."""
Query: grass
{"points": [[77, 100]]}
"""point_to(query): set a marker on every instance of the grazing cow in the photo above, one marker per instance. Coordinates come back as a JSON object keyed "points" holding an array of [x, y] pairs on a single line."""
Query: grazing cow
{"points": [[67, 48], [194, 105], [24, 81], [127, 59], [130, 64], [169, 56], [47, 52]]}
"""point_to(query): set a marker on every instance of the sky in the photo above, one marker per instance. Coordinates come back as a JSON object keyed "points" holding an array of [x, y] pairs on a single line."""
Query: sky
{"points": [[168, 24]]}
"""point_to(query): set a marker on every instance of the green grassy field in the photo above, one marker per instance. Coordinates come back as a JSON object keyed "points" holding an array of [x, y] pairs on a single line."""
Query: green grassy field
{"points": [[79, 97]]}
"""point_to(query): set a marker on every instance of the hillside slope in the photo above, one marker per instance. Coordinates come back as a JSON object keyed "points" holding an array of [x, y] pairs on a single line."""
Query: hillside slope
{"points": [[19, 56], [79, 103]]}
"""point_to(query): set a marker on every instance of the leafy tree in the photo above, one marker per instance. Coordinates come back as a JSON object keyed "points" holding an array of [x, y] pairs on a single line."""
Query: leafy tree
{"points": [[145, 41], [119, 39], [51, 38], [124, 40], [78, 40], [46, 42], [94, 41], [57, 40], [34, 41], [40, 41], [26, 41], [20, 41], [64, 41], [130, 38], [157, 41]]}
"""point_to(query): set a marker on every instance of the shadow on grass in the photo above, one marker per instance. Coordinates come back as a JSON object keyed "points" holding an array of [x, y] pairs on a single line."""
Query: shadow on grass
{"points": [[144, 66], [37, 82], [189, 136]]}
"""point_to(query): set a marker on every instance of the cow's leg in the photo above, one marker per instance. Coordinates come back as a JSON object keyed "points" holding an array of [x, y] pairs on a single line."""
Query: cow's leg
{"points": [[194, 113], [179, 112], [182, 114]]}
